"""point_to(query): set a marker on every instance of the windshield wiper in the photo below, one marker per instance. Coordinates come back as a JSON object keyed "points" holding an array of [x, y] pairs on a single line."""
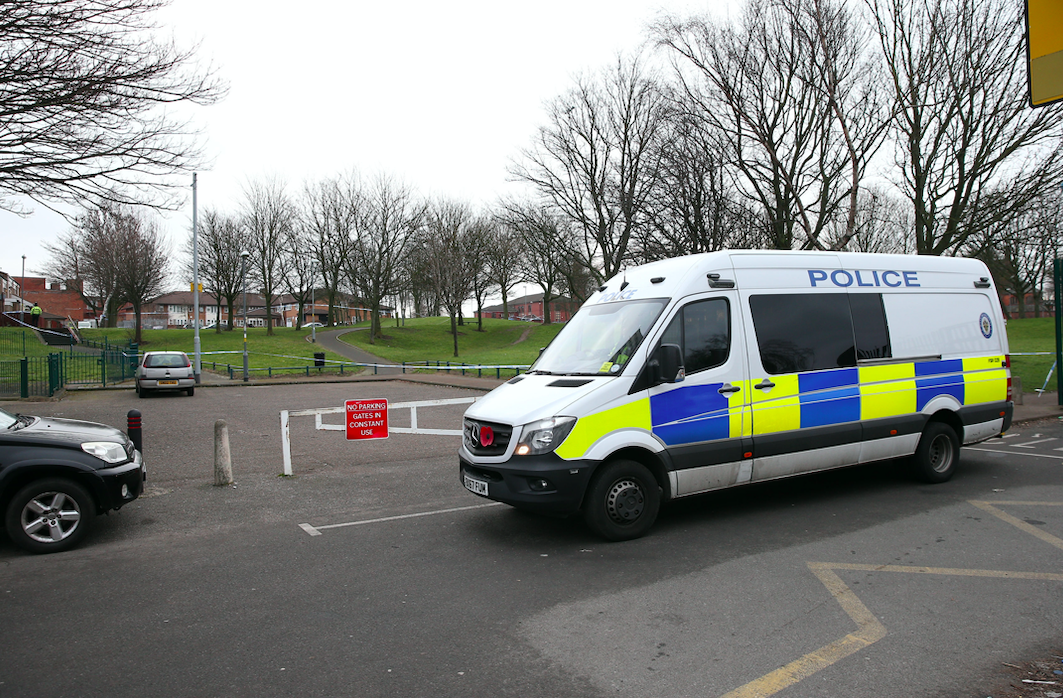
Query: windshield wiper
{"points": [[540, 372]]}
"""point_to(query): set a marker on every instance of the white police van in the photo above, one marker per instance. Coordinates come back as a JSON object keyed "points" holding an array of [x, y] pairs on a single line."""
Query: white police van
{"points": [[720, 369]]}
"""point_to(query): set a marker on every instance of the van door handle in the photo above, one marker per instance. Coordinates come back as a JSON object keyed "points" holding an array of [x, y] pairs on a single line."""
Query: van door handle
{"points": [[727, 389], [764, 385]]}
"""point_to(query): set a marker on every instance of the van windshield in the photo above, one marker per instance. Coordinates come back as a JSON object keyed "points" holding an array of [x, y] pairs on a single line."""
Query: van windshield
{"points": [[600, 339]]}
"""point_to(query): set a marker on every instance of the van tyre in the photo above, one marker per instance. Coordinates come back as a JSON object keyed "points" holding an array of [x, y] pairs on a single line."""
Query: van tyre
{"points": [[49, 515], [938, 453], [622, 501]]}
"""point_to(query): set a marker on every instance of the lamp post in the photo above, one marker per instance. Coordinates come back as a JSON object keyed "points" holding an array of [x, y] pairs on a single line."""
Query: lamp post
{"points": [[198, 354], [22, 292], [243, 282]]}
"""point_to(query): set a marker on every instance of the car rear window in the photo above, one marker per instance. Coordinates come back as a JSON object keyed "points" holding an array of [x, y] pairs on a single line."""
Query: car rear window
{"points": [[165, 361]]}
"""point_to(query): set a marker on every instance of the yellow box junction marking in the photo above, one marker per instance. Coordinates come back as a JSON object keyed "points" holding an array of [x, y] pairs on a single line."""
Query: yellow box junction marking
{"points": [[869, 628]]}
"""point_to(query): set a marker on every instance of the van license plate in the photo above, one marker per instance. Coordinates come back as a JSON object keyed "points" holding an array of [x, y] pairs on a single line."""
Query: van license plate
{"points": [[475, 486], [167, 382]]}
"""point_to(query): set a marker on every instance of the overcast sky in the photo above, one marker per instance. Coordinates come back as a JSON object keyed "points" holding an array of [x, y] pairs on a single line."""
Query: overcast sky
{"points": [[440, 94]]}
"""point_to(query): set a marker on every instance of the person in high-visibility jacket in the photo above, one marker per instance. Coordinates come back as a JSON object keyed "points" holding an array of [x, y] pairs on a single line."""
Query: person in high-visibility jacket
{"points": [[35, 315]]}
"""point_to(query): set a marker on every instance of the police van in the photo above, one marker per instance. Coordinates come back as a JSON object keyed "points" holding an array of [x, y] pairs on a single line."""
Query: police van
{"points": [[727, 368]]}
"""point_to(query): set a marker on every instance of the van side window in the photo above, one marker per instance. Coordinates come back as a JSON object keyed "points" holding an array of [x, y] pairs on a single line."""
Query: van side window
{"points": [[703, 330], [869, 322], [805, 332], [810, 332]]}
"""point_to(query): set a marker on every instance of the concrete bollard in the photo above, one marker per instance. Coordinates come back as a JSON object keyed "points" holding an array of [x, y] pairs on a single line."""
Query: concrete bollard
{"points": [[223, 462]]}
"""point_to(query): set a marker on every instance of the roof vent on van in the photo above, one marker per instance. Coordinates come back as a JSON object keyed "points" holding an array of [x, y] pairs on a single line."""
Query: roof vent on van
{"points": [[602, 287], [716, 282], [656, 279], [982, 282]]}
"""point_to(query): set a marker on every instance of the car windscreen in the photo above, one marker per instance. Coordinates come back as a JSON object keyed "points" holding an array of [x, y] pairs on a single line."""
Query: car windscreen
{"points": [[7, 419], [600, 339]]}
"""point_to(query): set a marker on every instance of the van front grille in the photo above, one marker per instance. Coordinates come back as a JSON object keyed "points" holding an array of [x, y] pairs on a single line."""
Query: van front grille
{"points": [[486, 438]]}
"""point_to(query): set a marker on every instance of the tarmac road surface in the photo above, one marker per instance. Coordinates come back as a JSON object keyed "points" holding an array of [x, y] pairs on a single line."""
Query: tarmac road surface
{"points": [[372, 572]]}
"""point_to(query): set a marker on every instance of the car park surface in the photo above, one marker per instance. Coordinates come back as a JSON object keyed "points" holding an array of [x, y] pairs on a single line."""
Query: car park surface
{"points": [[411, 588]]}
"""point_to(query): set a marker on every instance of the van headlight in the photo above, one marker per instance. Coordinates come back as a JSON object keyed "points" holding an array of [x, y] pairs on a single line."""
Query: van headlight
{"points": [[105, 450], [542, 437]]}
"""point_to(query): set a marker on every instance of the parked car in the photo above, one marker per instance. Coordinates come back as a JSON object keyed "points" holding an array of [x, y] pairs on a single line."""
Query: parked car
{"points": [[56, 475], [165, 370], [313, 324]]}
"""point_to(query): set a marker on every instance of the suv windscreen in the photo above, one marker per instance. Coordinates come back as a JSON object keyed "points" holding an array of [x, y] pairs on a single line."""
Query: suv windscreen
{"points": [[600, 339]]}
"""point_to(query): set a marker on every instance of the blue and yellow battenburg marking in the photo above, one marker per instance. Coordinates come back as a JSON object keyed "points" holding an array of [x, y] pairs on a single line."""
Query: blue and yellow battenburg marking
{"points": [[697, 413]]}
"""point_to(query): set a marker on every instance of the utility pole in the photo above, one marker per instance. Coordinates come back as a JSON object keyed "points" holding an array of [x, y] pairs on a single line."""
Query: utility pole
{"points": [[197, 363]]}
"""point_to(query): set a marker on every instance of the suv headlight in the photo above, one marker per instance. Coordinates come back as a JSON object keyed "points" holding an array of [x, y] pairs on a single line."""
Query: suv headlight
{"points": [[542, 437], [106, 451]]}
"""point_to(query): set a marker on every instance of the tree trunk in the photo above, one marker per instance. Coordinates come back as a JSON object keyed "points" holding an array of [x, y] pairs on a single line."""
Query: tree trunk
{"points": [[454, 331]]}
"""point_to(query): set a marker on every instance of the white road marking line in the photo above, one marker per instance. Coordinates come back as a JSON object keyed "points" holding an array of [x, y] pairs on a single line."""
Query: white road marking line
{"points": [[316, 530], [1028, 444], [1013, 453], [1011, 436]]}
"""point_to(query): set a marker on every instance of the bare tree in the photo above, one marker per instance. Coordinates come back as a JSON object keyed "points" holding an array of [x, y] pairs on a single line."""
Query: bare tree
{"points": [[883, 223], [390, 217], [595, 162], [502, 258], [1019, 251], [972, 154], [695, 208], [142, 274], [785, 91], [220, 240], [301, 271], [481, 234], [329, 212], [84, 91], [547, 246], [90, 256], [269, 216], [447, 267]]}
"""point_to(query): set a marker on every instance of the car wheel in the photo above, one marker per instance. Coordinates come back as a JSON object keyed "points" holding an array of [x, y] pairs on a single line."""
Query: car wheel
{"points": [[938, 453], [50, 515], [140, 391], [622, 501], [191, 391]]}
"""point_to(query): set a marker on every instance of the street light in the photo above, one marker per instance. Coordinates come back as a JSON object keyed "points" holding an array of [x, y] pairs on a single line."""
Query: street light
{"points": [[243, 282], [22, 292]]}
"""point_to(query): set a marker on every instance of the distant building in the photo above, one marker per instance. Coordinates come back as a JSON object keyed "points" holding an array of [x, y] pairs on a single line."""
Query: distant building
{"points": [[59, 298], [1034, 306], [530, 308]]}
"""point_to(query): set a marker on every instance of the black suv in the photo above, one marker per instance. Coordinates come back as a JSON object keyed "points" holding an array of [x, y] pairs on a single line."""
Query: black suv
{"points": [[56, 475]]}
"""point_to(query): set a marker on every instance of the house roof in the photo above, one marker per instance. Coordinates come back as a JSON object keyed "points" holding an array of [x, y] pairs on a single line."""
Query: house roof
{"points": [[525, 300]]}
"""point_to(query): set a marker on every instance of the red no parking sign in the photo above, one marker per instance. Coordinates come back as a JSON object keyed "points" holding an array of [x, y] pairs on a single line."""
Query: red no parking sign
{"points": [[367, 419]]}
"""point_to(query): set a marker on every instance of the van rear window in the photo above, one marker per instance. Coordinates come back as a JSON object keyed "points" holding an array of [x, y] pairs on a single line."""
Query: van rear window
{"points": [[812, 332]]}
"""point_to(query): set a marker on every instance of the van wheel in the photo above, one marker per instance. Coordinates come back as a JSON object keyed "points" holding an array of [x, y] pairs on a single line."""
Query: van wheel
{"points": [[622, 501], [50, 515], [938, 453]]}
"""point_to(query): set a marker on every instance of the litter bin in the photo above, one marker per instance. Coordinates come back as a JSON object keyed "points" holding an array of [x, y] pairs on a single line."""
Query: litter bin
{"points": [[319, 358]]}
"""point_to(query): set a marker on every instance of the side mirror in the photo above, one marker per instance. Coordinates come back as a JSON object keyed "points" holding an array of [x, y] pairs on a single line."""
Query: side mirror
{"points": [[666, 366]]}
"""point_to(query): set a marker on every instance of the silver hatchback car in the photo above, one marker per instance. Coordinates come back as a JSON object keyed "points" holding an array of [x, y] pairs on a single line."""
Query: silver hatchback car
{"points": [[165, 370]]}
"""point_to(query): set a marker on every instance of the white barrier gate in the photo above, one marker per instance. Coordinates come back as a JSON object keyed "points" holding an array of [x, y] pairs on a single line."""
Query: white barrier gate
{"points": [[286, 415]]}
